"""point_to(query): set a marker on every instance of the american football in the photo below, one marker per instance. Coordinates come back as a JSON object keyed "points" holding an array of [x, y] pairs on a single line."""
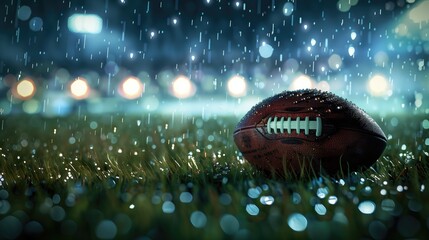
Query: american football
{"points": [[309, 129]]}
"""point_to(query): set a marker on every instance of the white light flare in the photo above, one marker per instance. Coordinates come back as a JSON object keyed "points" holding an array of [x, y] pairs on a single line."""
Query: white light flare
{"points": [[237, 86], [85, 23], [182, 87], [379, 86], [24, 89], [80, 89], [131, 88], [302, 82]]}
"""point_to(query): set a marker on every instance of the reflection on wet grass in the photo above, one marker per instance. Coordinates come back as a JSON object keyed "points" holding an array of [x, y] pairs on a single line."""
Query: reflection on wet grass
{"points": [[180, 177]]}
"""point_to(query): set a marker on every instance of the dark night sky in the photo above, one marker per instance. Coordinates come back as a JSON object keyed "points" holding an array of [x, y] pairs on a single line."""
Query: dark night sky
{"points": [[234, 33]]}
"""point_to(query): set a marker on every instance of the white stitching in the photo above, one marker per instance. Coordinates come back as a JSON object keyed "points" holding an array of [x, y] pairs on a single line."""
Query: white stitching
{"points": [[274, 125]]}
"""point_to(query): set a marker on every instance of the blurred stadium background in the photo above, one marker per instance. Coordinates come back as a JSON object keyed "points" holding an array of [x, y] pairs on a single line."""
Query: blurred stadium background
{"points": [[209, 57]]}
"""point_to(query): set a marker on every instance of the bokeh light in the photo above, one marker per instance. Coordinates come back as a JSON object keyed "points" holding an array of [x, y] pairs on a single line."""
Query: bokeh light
{"points": [[198, 219], [182, 87], [335, 62], [24, 89], [24, 13], [366, 207], [85, 23], [297, 222], [301, 82], [379, 86], [237, 86], [36, 24], [80, 89], [131, 88], [266, 50], [288, 8], [323, 86]]}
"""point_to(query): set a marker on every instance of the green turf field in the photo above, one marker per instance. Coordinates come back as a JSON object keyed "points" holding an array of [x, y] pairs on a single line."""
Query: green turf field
{"points": [[119, 176]]}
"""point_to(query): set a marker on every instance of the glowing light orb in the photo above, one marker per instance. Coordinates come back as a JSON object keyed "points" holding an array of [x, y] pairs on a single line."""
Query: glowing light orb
{"points": [[182, 87], [25, 89], [131, 88], [353, 35], [335, 62], [381, 59], [237, 86], [297, 222], [266, 50], [36, 24], [85, 23], [24, 13], [324, 86], [288, 8], [366, 207], [301, 82], [79, 88], [378, 86]]}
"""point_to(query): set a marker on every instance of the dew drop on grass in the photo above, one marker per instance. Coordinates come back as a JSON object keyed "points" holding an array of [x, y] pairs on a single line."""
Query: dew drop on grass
{"points": [[267, 200], [10, 227], [4, 206], [198, 219], [367, 207], [377, 230], [296, 198], [106, 229], [340, 217], [425, 124], [332, 200], [33, 228], [320, 209], [254, 192], [414, 205], [168, 207], [57, 213], [252, 209], [156, 200], [322, 192], [229, 224], [297, 222], [225, 199], [185, 197], [93, 125], [408, 226]]}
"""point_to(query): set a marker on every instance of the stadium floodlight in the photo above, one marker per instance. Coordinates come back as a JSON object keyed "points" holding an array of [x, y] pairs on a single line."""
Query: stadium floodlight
{"points": [[237, 86], [131, 88], [85, 23], [79, 89], [182, 87], [24, 89]]}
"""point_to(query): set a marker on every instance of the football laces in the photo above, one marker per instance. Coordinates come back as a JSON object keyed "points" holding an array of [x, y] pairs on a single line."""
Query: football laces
{"points": [[276, 125]]}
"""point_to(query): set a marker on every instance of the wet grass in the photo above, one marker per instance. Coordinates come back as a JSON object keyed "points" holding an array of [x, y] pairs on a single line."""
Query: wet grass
{"points": [[179, 177]]}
